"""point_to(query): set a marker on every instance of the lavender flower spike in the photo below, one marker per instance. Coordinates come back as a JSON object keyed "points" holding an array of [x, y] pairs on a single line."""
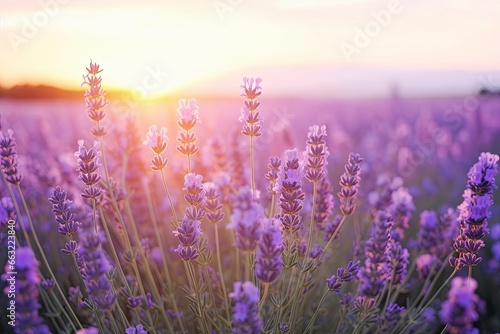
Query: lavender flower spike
{"points": [[8, 148], [349, 181], [316, 153], [474, 211], [188, 118], [459, 311], [245, 311], [268, 260], [157, 142]]}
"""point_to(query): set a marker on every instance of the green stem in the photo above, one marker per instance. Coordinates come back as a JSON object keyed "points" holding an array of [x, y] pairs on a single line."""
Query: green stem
{"points": [[313, 318]]}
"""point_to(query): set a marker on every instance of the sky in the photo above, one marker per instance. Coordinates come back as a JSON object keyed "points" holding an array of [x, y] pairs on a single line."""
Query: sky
{"points": [[305, 48]]}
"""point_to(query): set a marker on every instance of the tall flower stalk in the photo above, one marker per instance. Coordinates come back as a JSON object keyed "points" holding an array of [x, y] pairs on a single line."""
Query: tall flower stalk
{"points": [[251, 117], [188, 118], [474, 211]]}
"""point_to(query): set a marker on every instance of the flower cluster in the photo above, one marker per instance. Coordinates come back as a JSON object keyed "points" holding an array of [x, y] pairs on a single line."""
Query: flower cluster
{"points": [[246, 318], [139, 329], [459, 311], [246, 219], [324, 204], [26, 283], [157, 142], [68, 226], [8, 149], [188, 234], [272, 175], [292, 197], [373, 275], [188, 118], [249, 113], [474, 211], [88, 169], [95, 99], [97, 265], [349, 182], [212, 205], [268, 260], [316, 153], [343, 275]]}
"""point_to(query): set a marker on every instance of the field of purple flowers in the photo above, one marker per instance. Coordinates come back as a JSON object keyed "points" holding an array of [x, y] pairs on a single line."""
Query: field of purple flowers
{"points": [[287, 217]]}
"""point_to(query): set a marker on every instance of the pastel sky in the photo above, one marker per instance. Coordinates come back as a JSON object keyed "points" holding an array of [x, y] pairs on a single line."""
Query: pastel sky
{"points": [[206, 46]]}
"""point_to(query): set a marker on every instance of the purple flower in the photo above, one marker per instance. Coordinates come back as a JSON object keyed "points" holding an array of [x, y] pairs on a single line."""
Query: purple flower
{"points": [[291, 197], [268, 260], [343, 275], [8, 150], [212, 205], [316, 153], [188, 117], [88, 169], [349, 182], [95, 99], [375, 272], [96, 264], [245, 312], [401, 209], [157, 141], [249, 113], [474, 211], [188, 234], [246, 219], [324, 203], [397, 261], [459, 310], [272, 175], [392, 314], [25, 283], [139, 329], [195, 194]]}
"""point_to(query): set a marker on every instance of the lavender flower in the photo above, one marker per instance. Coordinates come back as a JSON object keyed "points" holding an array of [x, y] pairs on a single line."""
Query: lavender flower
{"points": [[401, 209], [474, 211], [88, 169], [139, 329], [246, 220], [97, 264], [195, 194], [188, 234], [397, 261], [374, 274], [459, 311], [158, 142], [95, 99], [349, 181], [272, 175], [212, 205], [392, 314], [292, 197], [25, 281], [188, 118], [324, 204], [268, 260], [9, 157], [316, 153], [343, 275], [245, 312], [249, 113]]}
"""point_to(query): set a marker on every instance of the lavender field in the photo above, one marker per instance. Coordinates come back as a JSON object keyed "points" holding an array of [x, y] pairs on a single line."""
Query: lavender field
{"points": [[249, 214]]}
